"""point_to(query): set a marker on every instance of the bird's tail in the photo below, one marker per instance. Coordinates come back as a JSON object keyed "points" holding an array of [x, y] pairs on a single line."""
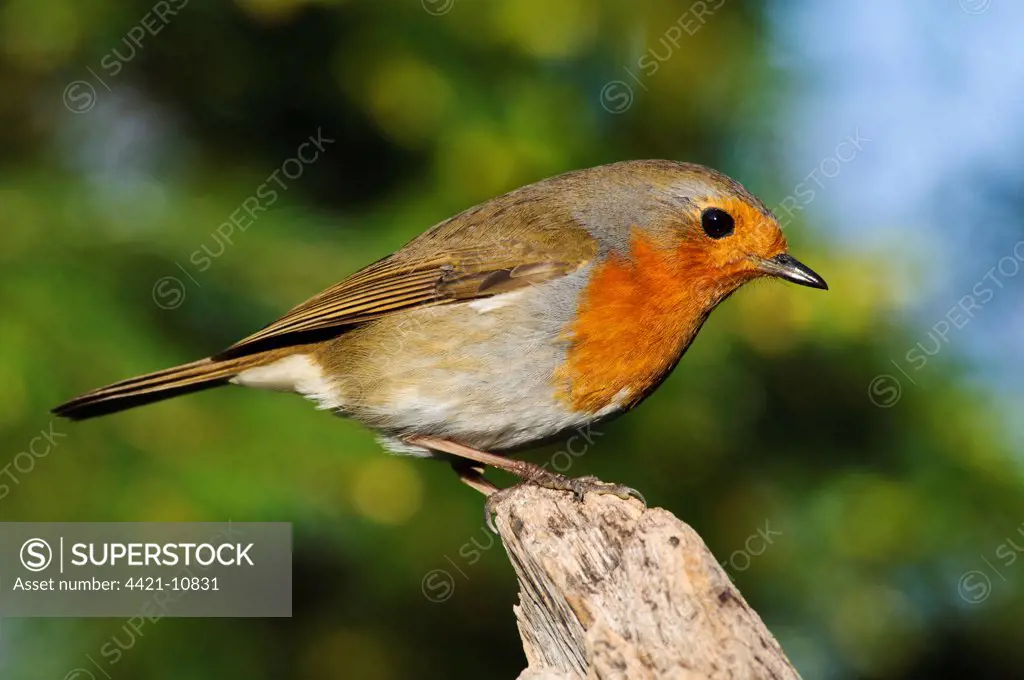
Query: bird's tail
{"points": [[146, 389]]}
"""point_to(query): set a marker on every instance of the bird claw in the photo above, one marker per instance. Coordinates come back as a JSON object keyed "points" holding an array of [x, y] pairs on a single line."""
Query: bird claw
{"points": [[578, 486], [582, 485], [489, 512]]}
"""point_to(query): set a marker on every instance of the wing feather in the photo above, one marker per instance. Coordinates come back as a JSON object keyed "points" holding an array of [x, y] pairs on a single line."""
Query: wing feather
{"points": [[457, 260], [369, 295]]}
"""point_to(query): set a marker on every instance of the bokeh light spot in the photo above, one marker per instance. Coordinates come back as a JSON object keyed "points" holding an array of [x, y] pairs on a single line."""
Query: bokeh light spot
{"points": [[387, 490]]}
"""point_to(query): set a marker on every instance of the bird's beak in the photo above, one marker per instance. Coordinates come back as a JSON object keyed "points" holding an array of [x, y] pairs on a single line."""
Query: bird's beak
{"points": [[787, 267]]}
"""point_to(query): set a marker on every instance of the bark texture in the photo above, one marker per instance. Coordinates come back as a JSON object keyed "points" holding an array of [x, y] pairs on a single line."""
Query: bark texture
{"points": [[611, 590]]}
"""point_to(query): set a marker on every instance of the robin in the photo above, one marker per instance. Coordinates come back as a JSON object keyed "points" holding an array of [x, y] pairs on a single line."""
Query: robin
{"points": [[552, 307]]}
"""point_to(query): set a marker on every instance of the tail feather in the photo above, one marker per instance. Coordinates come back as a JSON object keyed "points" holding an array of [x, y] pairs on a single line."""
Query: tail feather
{"points": [[146, 389]]}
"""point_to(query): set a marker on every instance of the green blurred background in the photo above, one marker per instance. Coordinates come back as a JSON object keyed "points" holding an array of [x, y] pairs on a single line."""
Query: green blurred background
{"points": [[890, 488]]}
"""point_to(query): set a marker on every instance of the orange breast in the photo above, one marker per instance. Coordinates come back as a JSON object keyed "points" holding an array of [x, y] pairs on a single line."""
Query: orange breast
{"points": [[636, 317]]}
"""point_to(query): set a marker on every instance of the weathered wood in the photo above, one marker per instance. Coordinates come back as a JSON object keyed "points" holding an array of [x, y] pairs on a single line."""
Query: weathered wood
{"points": [[609, 589]]}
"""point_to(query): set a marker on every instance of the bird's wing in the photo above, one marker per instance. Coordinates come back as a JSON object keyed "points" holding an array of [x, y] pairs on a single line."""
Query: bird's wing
{"points": [[447, 264]]}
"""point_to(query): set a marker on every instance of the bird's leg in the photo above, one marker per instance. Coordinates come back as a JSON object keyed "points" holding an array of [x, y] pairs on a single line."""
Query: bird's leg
{"points": [[529, 472], [520, 468], [472, 475]]}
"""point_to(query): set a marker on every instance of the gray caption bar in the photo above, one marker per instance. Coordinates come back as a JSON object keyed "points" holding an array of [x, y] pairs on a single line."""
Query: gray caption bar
{"points": [[149, 569]]}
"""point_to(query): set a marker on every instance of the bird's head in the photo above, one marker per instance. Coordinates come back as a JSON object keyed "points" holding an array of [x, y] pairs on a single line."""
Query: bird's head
{"points": [[672, 240], [700, 222], [736, 239]]}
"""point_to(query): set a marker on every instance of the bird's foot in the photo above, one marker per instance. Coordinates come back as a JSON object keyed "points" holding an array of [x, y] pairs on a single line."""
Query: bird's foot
{"points": [[578, 486], [581, 486], [470, 467]]}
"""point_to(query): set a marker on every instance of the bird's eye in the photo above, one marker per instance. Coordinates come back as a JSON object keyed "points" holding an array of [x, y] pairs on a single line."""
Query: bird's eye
{"points": [[716, 222]]}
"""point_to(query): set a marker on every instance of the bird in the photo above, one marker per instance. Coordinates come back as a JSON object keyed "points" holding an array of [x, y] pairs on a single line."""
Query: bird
{"points": [[553, 307]]}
